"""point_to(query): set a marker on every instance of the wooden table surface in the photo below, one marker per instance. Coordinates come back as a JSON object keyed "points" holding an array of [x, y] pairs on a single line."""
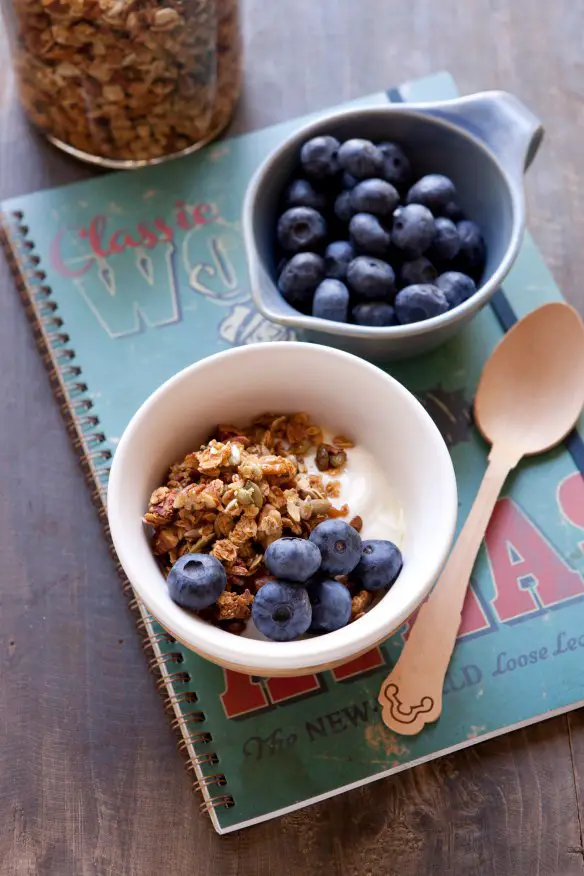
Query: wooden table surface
{"points": [[91, 782]]}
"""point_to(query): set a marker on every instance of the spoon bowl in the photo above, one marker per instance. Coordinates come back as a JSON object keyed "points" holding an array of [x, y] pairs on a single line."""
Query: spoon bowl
{"points": [[529, 396]]}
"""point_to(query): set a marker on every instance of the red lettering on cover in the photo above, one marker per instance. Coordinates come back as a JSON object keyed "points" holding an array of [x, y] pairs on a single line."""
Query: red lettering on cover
{"points": [[281, 689], [181, 216], [365, 663], [241, 695], [571, 499], [518, 552], [149, 239], [121, 240], [203, 214], [95, 234], [474, 618], [57, 262], [166, 233]]}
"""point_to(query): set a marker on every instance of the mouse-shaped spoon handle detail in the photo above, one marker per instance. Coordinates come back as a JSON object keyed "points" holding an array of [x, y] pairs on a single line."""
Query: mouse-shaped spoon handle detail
{"points": [[411, 695]]}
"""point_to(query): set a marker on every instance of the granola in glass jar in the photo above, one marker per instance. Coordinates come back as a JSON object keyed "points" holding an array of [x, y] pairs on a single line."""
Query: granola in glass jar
{"points": [[124, 83]]}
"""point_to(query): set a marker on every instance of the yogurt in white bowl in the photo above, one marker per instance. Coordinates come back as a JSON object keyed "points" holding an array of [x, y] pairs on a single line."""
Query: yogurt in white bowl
{"points": [[399, 479]]}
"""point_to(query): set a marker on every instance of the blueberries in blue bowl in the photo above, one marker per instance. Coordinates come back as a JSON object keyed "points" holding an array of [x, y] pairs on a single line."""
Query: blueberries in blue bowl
{"points": [[301, 229], [371, 278], [299, 278], [301, 193], [434, 191], [349, 182], [320, 157], [355, 216], [420, 270], [419, 302], [472, 251], [342, 207], [396, 165], [331, 301], [374, 196], [457, 287], [413, 230], [374, 313], [368, 235], [337, 257], [361, 159], [446, 244]]}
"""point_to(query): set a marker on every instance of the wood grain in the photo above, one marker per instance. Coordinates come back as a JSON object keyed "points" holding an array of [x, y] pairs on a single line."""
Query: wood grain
{"points": [[91, 783]]}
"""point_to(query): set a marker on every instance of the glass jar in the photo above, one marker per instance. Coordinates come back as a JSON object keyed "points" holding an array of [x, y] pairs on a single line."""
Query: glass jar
{"points": [[124, 83]]}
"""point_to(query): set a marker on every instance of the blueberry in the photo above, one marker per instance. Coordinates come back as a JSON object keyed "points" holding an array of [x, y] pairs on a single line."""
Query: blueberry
{"points": [[371, 278], [413, 229], [337, 258], [342, 207], [348, 181], [361, 159], [434, 191], [331, 605], [300, 277], [472, 247], [457, 287], [374, 196], [446, 243], [301, 228], [281, 611], [380, 564], [302, 193], [331, 301], [423, 301], [453, 211], [396, 166], [421, 270], [339, 545], [196, 581], [319, 157], [295, 559], [374, 313], [368, 235]]}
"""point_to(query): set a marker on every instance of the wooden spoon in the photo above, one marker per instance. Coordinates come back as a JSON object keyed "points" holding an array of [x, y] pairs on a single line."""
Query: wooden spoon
{"points": [[529, 397]]}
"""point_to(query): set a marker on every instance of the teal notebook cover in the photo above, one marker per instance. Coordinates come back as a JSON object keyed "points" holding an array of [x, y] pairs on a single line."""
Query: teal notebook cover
{"points": [[129, 278]]}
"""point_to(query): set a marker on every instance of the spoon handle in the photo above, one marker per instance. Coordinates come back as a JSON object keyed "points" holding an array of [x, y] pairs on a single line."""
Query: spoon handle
{"points": [[411, 695]]}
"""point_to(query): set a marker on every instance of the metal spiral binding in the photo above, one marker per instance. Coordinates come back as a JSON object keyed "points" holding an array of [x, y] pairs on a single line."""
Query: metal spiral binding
{"points": [[186, 717], [214, 779], [201, 738], [71, 391], [224, 801], [164, 659], [173, 701], [156, 638]]}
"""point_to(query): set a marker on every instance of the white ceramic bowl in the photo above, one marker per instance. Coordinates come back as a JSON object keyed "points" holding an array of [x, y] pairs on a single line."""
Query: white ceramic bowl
{"points": [[340, 392]]}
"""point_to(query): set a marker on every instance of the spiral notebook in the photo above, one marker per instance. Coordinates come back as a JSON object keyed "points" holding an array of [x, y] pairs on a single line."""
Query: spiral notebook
{"points": [[127, 278]]}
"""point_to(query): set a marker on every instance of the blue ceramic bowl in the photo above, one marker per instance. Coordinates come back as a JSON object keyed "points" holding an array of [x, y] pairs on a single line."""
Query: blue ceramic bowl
{"points": [[483, 142]]}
